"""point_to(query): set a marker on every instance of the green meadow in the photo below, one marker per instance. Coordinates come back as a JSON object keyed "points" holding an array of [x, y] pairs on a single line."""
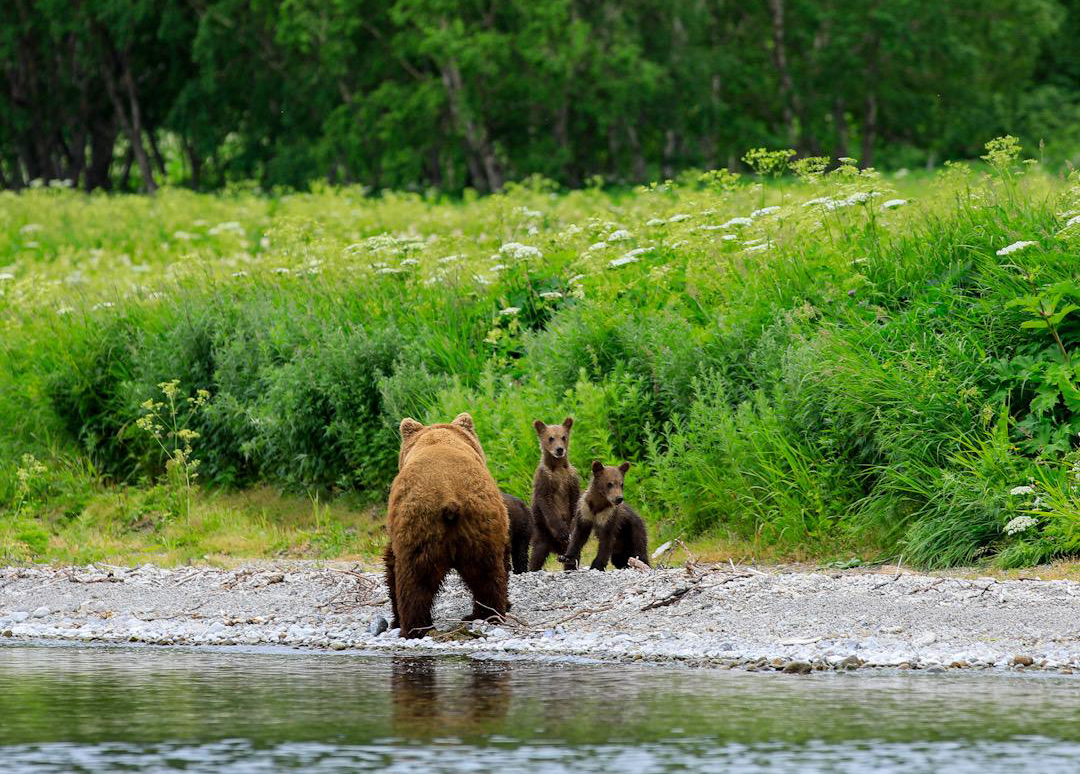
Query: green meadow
{"points": [[798, 363]]}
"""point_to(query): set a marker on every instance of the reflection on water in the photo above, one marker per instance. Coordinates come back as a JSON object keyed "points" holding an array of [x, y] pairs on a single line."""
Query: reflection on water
{"points": [[69, 708]]}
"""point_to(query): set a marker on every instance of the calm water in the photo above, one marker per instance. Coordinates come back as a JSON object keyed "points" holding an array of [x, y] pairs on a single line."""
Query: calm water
{"points": [[82, 709]]}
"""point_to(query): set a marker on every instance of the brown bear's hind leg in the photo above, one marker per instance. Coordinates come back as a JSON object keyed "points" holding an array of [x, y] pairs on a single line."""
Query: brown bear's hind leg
{"points": [[391, 586], [416, 588], [486, 578]]}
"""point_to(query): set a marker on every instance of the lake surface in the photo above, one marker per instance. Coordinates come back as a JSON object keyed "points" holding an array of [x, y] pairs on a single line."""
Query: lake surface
{"points": [[90, 709]]}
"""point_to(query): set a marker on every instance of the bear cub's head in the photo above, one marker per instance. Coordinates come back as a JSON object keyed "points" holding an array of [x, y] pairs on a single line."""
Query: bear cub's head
{"points": [[607, 482], [554, 439]]}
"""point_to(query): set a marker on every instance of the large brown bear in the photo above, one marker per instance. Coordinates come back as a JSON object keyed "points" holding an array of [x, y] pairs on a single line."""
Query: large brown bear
{"points": [[445, 512], [556, 488], [619, 530]]}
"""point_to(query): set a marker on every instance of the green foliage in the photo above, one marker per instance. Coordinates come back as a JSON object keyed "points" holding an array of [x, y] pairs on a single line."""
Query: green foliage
{"points": [[824, 375], [435, 96]]}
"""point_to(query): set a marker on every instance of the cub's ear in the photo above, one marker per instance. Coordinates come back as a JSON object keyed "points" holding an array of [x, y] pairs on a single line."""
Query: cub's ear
{"points": [[464, 420], [597, 467], [624, 467], [539, 426], [409, 426], [568, 422]]}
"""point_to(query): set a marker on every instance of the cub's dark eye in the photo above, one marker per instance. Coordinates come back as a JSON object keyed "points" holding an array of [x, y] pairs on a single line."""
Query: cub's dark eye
{"points": [[564, 439], [609, 485], [551, 438]]}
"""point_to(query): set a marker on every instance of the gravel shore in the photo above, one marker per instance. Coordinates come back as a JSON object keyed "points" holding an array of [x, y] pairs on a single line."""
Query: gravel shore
{"points": [[703, 615]]}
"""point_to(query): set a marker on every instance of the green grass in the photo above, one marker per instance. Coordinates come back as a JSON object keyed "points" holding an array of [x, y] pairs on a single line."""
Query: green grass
{"points": [[821, 381]]}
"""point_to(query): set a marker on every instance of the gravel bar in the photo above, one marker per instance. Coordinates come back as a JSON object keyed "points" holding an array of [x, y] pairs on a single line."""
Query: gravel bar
{"points": [[701, 615]]}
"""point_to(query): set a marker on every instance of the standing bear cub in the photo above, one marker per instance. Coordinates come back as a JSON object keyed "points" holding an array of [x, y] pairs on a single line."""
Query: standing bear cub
{"points": [[620, 531], [556, 489], [445, 512]]}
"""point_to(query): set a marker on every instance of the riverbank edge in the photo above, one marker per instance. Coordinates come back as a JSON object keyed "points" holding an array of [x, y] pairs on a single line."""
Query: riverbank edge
{"points": [[355, 623]]}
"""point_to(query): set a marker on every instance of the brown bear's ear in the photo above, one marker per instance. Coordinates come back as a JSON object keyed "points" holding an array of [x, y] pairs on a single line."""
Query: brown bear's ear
{"points": [[464, 420], [597, 467], [624, 467], [568, 422], [540, 427], [409, 426]]}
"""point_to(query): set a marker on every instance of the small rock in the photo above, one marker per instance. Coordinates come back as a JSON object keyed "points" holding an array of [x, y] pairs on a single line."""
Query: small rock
{"points": [[1065, 671], [850, 663], [891, 629], [926, 638], [958, 665], [41, 612], [19, 616], [935, 668], [1023, 660], [8, 633], [377, 626], [797, 668], [338, 645], [905, 665]]}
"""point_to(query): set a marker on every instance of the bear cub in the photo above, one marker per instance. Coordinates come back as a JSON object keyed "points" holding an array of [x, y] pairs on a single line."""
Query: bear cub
{"points": [[556, 489], [620, 531], [520, 533], [445, 512]]}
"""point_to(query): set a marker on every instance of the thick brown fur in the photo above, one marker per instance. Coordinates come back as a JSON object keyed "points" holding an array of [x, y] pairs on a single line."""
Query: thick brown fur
{"points": [[619, 530], [520, 533], [556, 489], [445, 512]]}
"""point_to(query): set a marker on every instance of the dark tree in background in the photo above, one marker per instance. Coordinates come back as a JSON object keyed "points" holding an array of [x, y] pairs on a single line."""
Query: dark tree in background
{"points": [[433, 93]]}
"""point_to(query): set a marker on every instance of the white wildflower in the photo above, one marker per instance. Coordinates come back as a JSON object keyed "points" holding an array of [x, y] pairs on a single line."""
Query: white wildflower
{"points": [[1073, 221], [859, 197], [523, 210], [30, 228], [451, 258], [518, 251], [509, 311], [185, 236], [655, 222], [6, 276], [1019, 524], [229, 227], [103, 305], [551, 295], [620, 235], [280, 270], [410, 262], [891, 203], [758, 248], [239, 273], [728, 237], [710, 228], [577, 278], [597, 246], [817, 200], [901, 173], [141, 268], [617, 262], [764, 211], [499, 267], [1021, 490], [1015, 247], [738, 222], [572, 229], [389, 270], [678, 218], [65, 310], [638, 251], [264, 243]]}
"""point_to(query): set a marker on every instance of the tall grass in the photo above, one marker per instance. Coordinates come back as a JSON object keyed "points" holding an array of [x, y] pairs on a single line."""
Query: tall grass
{"points": [[834, 373]]}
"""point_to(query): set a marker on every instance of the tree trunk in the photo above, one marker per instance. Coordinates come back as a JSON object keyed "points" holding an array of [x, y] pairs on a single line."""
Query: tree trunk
{"points": [[789, 99], [125, 173], [841, 125], [159, 159], [639, 170], [102, 141], [870, 128], [132, 123], [484, 167]]}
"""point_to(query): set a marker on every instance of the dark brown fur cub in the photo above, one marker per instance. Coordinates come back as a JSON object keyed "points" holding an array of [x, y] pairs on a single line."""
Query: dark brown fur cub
{"points": [[520, 532], [445, 512], [556, 489], [620, 531]]}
